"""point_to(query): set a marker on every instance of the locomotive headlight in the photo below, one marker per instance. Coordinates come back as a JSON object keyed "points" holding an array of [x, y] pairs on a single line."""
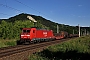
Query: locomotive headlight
{"points": [[22, 35], [28, 35]]}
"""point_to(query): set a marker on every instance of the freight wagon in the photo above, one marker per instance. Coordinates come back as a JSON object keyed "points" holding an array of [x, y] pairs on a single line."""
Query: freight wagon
{"points": [[61, 35]]}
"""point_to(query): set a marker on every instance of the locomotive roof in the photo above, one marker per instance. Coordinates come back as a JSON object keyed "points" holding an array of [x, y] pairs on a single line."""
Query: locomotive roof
{"points": [[27, 28], [36, 28]]}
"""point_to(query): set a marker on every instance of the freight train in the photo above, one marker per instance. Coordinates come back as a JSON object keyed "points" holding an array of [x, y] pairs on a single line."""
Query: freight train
{"points": [[34, 35]]}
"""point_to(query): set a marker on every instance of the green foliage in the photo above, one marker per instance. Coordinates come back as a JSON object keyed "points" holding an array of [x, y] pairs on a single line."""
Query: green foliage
{"points": [[6, 43], [37, 57], [10, 43], [2, 45], [80, 45]]}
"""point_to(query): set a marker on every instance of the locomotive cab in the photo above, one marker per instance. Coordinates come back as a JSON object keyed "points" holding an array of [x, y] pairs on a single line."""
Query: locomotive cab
{"points": [[27, 34]]}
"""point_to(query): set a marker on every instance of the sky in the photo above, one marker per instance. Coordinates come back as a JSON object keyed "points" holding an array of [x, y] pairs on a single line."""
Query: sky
{"points": [[68, 12]]}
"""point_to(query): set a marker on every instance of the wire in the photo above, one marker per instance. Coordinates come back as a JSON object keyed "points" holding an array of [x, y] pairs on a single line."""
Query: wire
{"points": [[29, 7], [4, 14], [26, 5], [10, 7]]}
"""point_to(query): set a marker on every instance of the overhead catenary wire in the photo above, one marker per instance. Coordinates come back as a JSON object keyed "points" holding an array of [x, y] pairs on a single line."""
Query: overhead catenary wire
{"points": [[30, 7], [10, 7], [6, 6], [27, 6], [5, 14]]}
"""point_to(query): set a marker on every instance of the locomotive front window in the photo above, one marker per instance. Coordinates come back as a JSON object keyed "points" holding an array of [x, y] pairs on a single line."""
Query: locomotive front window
{"points": [[26, 31]]}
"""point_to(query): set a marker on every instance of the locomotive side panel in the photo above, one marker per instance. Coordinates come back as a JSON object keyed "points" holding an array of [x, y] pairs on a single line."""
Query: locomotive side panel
{"points": [[41, 35], [44, 34]]}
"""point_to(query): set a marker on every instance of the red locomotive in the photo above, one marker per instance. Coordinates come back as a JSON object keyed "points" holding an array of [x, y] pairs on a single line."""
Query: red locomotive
{"points": [[32, 35]]}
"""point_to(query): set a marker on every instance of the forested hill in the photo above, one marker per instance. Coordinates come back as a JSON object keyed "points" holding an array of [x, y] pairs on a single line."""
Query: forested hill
{"points": [[42, 21]]}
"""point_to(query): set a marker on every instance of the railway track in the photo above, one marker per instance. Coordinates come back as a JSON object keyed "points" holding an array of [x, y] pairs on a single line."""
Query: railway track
{"points": [[21, 48]]}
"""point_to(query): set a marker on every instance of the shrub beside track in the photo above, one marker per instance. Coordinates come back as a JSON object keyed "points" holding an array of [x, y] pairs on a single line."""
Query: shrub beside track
{"points": [[74, 49]]}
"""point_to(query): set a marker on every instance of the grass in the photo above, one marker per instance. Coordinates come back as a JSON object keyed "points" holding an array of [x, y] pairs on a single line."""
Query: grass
{"points": [[74, 49], [6, 43]]}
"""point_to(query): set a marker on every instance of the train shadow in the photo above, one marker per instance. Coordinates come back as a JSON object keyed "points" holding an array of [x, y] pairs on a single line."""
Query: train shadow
{"points": [[69, 55]]}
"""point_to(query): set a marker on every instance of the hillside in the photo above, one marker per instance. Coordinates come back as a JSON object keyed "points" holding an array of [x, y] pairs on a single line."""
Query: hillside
{"points": [[47, 23]]}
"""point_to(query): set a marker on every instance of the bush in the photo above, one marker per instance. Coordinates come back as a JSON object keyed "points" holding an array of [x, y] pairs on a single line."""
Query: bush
{"points": [[6, 43], [74, 49]]}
